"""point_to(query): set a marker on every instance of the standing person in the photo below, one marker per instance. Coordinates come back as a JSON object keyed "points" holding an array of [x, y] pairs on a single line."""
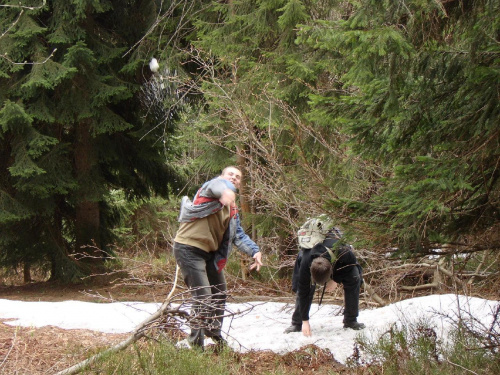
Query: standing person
{"points": [[210, 225], [327, 263]]}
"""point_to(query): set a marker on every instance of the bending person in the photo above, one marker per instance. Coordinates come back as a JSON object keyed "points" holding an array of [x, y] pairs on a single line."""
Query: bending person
{"points": [[327, 263]]}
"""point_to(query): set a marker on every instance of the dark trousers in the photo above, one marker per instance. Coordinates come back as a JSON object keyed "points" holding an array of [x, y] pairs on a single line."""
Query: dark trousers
{"points": [[208, 288], [351, 281]]}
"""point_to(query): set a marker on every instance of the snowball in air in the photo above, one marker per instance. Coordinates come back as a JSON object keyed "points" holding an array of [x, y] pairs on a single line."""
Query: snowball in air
{"points": [[153, 65]]}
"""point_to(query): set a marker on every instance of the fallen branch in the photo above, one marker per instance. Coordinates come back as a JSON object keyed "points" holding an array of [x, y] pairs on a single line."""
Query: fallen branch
{"points": [[138, 332], [10, 349], [419, 287], [374, 295], [474, 276]]}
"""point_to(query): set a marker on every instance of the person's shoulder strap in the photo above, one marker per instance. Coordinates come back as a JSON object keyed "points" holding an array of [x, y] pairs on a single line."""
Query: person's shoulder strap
{"points": [[333, 258]]}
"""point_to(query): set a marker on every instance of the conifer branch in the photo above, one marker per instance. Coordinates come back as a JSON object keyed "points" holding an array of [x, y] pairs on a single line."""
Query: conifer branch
{"points": [[14, 23], [4, 56]]}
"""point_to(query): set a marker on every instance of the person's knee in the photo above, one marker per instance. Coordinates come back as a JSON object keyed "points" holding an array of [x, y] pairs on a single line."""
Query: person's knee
{"points": [[351, 285]]}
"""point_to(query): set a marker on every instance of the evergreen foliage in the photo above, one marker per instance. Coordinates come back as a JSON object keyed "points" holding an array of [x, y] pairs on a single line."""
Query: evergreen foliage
{"points": [[383, 114], [421, 102], [73, 128]]}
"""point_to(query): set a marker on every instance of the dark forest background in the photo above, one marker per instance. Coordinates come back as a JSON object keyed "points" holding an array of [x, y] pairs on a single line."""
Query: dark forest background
{"points": [[382, 114]]}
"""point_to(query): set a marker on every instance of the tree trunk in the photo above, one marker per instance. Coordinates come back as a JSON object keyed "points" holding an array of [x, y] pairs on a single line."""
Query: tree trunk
{"points": [[87, 219], [27, 272], [62, 266], [244, 205]]}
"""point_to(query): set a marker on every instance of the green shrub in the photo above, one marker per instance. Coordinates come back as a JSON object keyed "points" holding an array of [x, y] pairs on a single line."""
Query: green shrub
{"points": [[417, 350]]}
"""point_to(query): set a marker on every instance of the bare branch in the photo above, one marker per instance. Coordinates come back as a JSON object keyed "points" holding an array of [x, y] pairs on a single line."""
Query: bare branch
{"points": [[10, 349], [419, 287], [136, 335], [461, 367], [4, 56], [19, 6], [374, 295], [14, 23]]}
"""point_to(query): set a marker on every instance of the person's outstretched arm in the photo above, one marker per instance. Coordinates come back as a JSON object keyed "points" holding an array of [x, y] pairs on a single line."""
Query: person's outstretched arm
{"points": [[304, 291], [245, 244]]}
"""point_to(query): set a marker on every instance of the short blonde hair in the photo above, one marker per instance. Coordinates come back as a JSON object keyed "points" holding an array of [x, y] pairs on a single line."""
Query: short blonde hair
{"points": [[230, 166]]}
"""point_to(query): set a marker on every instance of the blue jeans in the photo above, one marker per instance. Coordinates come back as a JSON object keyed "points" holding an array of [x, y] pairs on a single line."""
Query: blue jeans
{"points": [[208, 288]]}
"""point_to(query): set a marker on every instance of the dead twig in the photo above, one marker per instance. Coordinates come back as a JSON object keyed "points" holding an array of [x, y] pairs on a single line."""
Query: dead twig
{"points": [[10, 349], [374, 295], [138, 333], [19, 6]]}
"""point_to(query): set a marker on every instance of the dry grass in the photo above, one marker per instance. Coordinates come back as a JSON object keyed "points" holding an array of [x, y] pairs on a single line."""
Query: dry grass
{"points": [[47, 350]]}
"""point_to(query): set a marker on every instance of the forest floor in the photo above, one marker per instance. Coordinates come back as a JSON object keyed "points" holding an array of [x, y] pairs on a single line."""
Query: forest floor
{"points": [[48, 350]]}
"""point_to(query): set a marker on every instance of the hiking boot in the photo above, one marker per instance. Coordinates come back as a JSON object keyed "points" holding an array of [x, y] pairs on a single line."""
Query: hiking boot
{"points": [[354, 325], [293, 328]]}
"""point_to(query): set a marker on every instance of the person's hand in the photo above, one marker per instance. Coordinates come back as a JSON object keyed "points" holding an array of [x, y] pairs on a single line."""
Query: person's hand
{"points": [[258, 262], [330, 286], [227, 197], [306, 328]]}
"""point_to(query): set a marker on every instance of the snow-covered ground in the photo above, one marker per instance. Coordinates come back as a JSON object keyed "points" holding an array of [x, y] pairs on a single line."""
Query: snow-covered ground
{"points": [[260, 325]]}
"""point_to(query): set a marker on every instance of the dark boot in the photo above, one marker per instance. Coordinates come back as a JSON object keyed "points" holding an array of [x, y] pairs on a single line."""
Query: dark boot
{"points": [[354, 325], [293, 328]]}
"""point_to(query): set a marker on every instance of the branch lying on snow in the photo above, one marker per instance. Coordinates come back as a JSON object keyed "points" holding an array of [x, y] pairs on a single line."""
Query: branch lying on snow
{"points": [[140, 330], [373, 294], [136, 334]]}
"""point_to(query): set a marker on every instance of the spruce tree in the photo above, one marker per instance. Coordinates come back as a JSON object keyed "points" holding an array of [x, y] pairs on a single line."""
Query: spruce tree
{"points": [[377, 112], [420, 99], [382, 115], [257, 85], [73, 128]]}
